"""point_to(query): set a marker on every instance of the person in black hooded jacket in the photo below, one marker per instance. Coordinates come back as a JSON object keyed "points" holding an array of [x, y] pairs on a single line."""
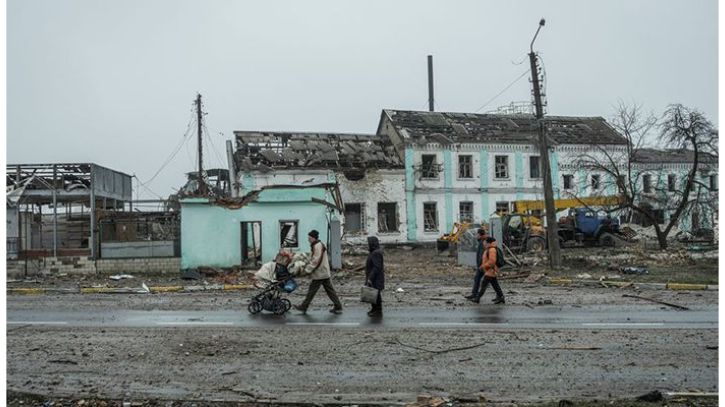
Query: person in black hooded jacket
{"points": [[375, 274]]}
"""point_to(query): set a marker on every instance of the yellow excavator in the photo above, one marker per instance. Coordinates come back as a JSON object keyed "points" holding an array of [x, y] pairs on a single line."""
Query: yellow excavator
{"points": [[523, 231]]}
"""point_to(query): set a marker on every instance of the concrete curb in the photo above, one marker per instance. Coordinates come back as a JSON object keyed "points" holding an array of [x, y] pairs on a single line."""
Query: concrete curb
{"points": [[649, 286], [126, 290]]}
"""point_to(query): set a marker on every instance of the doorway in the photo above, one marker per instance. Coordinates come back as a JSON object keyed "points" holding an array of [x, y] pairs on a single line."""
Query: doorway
{"points": [[251, 244]]}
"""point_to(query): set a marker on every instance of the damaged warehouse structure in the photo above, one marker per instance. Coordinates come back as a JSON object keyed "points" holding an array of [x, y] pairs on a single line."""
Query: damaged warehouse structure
{"points": [[53, 209], [80, 217], [422, 172]]}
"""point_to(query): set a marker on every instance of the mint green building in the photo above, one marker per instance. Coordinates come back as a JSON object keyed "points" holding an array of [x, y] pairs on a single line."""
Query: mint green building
{"points": [[251, 230]]}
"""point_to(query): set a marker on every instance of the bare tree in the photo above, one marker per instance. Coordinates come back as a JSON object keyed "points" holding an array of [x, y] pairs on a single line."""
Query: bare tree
{"points": [[639, 180]]}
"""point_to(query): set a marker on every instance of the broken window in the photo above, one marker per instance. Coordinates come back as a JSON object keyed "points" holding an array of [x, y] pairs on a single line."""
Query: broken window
{"points": [[288, 233], [430, 167], [535, 166], [354, 217], [465, 212], [595, 182], [502, 166], [502, 208], [713, 182], [387, 217], [465, 166], [568, 181], [430, 217], [671, 182], [647, 183]]}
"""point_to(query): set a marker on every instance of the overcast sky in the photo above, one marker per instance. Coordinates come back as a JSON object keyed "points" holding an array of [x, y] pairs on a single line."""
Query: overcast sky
{"points": [[112, 82]]}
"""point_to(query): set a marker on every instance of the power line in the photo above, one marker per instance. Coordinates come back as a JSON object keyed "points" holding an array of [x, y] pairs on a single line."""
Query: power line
{"points": [[173, 153], [213, 147], [504, 90]]}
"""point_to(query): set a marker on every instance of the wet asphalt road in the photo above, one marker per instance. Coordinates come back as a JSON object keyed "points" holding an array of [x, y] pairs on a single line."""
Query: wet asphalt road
{"points": [[485, 316]]}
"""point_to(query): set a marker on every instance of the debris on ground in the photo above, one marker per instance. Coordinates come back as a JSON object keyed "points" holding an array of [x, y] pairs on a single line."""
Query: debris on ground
{"points": [[584, 276], [399, 290], [657, 301], [429, 401], [120, 277], [634, 270], [651, 397]]}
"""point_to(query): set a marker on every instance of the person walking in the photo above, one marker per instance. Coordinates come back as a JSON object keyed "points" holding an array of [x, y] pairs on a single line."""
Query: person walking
{"points": [[375, 274], [319, 271], [479, 258], [490, 254]]}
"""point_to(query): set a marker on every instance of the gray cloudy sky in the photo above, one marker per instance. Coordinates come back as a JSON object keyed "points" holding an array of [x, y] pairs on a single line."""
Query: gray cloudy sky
{"points": [[112, 82]]}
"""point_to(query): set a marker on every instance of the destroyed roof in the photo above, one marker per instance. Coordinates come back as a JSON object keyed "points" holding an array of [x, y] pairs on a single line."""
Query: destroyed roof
{"points": [[268, 150], [450, 128], [670, 156]]}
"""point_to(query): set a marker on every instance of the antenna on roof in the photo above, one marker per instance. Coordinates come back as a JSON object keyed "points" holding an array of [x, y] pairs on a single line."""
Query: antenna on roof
{"points": [[431, 102]]}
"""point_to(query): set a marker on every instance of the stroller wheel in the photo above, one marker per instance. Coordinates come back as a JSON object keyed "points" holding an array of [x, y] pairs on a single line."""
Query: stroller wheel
{"points": [[287, 304], [279, 307], [254, 307]]}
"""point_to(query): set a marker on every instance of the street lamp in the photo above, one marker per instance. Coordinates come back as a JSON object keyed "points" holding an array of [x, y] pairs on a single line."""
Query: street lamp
{"points": [[551, 226]]}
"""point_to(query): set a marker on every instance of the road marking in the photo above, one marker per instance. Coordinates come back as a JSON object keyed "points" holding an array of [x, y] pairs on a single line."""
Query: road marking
{"points": [[623, 324], [324, 323], [193, 323], [37, 323], [462, 324]]}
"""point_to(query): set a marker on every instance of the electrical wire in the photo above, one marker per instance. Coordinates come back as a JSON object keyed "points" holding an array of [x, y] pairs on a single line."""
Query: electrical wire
{"points": [[216, 152], [173, 153], [504, 90]]}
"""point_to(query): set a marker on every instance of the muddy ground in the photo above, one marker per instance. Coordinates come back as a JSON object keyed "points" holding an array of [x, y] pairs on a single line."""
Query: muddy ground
{"points": [[345, 366]]}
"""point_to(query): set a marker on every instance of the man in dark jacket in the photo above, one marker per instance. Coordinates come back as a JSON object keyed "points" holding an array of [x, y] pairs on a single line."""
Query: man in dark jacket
{"points": [[375, 274], [479, 259]]}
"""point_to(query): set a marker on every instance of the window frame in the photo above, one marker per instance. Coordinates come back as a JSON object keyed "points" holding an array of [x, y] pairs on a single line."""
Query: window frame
{"points": [[470, 166], [495, 167], [539, 169], [470, 212], [434, 167], [296, 223], [435, 214]]}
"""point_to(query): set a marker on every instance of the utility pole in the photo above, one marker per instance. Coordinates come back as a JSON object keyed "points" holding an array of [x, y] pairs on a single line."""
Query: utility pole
{"points": [[551, 225], [431, 100], [200, 178]]}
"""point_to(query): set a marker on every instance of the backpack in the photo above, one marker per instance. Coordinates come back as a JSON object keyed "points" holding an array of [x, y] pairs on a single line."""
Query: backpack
{"points": [[500, 261]]}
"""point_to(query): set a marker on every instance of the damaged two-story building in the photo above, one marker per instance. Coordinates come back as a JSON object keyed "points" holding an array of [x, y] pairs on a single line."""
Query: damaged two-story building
{"points": [[422, 171]]}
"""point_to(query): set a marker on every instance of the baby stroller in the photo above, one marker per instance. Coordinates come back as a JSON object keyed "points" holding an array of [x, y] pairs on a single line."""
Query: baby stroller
{"points": [[270, 298]]}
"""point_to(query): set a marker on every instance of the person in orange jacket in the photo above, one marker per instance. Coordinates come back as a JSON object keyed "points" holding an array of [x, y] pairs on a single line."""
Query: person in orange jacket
{"points": [[490, 269]]}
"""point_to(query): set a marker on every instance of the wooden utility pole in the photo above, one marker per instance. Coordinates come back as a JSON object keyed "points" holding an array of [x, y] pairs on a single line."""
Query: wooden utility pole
{"points": [[200, 178], [552, 233]]}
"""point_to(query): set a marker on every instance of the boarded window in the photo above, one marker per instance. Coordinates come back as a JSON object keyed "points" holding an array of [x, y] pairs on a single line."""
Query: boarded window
{"points": [[465, 211], [568, 181], [502, 166], [595, 182], [354, 217], [502, 208], [387, 217], [465, 166], [647, 183], [430, 167], [288, 233], [535, 166], [671, 182], [430, 217]]}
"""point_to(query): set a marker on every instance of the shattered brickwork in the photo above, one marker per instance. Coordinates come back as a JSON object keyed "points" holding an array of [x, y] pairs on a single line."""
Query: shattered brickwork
{"points": [[266, 151]]}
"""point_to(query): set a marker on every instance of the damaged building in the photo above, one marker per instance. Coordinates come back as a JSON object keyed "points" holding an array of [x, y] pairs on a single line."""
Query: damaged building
{"points": [[251, 229], [53, 209], [423, 171], [366, 167]]}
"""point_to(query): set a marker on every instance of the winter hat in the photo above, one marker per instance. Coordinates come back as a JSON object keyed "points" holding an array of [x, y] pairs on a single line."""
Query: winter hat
{"points": [[315, 234]]}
